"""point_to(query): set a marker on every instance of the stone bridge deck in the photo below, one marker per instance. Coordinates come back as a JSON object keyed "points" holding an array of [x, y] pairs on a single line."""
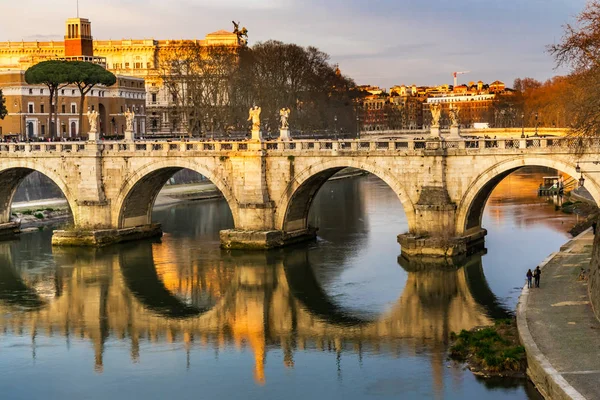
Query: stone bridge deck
{"points": [[269, 185]]}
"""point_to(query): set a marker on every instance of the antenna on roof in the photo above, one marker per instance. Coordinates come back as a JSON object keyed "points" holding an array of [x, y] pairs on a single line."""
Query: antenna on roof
{"points": [[77, 8]]}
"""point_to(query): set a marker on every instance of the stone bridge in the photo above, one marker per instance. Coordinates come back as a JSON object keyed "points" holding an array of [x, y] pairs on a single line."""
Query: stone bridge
{"points": [[443, 185]]}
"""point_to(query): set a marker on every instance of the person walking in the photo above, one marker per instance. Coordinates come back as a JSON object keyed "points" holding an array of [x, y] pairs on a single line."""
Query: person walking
{"points": [[537, 274], [529, 276]]}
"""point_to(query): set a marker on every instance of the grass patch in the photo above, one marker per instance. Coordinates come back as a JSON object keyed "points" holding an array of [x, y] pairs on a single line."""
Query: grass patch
{"points": [[493, 350], [39, 215]]}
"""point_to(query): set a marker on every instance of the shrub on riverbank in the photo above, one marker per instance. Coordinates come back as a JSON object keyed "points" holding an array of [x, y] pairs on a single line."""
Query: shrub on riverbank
{"points": [[491, 351]]}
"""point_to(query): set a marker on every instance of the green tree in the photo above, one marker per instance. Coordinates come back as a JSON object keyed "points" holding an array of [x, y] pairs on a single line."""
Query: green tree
{"points": [[3, 110], [86, 76], [55, 75]]}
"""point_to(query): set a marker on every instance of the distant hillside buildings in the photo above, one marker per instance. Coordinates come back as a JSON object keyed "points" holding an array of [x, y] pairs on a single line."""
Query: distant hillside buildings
{"points": [[407, 107]]}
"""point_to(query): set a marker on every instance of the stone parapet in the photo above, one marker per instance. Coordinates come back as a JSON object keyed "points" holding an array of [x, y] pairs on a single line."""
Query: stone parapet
{"points": [[263, 240], [104, 237]]}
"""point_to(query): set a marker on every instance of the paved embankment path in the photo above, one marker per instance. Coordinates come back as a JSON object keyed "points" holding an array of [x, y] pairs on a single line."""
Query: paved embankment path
{"points": [[558, 327]]}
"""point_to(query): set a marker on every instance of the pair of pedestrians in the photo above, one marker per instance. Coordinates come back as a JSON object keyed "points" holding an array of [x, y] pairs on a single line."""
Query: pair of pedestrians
{"points": [[536, 274]]}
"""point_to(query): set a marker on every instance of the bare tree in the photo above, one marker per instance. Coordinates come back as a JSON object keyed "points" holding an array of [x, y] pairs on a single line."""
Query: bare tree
{"points": [[579, 49]]}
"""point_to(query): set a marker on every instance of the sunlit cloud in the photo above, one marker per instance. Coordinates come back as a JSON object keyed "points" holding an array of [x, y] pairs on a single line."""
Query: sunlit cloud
{"points": [[382, 42]]}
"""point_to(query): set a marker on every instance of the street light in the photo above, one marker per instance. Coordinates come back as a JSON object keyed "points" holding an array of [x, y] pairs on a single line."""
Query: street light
{"points": [[335, 126], [522, 125], [536, 123], [358, 126], [20, 120]]}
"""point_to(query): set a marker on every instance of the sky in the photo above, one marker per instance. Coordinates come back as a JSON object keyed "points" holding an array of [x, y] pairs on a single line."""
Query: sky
{"points": [[377, 42]]}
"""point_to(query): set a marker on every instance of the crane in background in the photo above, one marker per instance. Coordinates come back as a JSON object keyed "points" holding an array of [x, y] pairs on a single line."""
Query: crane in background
{"points": [[456, 74]]}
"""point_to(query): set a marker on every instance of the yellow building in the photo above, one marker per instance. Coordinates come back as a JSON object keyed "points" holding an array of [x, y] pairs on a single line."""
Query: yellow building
{"points": [[138, 58], [28, 105]]}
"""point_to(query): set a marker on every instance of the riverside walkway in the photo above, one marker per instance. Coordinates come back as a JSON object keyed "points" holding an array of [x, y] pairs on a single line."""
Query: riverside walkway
{"points": [[558, 327]]}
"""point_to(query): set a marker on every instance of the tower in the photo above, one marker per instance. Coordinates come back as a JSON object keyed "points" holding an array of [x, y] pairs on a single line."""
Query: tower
{"points": [[78, 38]]}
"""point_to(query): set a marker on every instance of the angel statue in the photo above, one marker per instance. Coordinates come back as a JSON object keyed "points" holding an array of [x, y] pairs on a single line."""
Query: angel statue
{"points": [[454, 114], [129, 117], [284, 115], [93, 120], [242, 34], [254, 116], [436, 113]]}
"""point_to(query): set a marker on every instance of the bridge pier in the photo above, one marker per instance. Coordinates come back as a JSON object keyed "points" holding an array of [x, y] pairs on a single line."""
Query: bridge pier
{"points": [[104, 237], [434, 235], [264, 239], [9, 230]]}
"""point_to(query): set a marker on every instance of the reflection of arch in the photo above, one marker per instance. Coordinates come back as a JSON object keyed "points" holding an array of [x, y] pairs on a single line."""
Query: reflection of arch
{"points": [[293, 208], [140, 276], [13, 291], [13, 172], [138, 194], [481, 292], [472, 269], [472, 204], [306, 289]]}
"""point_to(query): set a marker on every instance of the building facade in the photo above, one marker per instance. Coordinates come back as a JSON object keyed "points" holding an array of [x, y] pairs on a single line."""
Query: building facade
{"points": [[29, 107], [408, 107], [137, 58]]}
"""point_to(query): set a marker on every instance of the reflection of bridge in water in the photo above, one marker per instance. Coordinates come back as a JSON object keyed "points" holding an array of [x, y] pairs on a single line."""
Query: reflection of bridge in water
{"points": [[263, 301]]}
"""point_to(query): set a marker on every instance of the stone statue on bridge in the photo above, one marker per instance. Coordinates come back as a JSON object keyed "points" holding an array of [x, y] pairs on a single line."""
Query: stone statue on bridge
{"points": [[455, 124], [254, 116], [129, 118], [284, 130], [454, 114], [93, 120], [436, 113], [284, 115]]}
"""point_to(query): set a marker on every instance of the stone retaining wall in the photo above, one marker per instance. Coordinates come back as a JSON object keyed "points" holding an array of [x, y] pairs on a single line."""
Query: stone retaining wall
{"points": [[594, 284]]}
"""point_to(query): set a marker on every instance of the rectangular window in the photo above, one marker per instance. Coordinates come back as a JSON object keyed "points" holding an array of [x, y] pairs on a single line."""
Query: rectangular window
{"points": [[126, 65], [30, 91], [41, 91], [30, 108], [42, 108], [64, 109], [154, 97], [73, 109]]}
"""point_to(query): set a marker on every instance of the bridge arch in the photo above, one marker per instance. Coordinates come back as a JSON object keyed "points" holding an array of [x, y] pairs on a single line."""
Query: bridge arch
{"points": [[472, 204], [13, 172], [294, 206], [134, 204]]}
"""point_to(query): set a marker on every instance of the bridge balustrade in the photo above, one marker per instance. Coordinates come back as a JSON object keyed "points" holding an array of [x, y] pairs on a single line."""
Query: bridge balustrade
{"points": [[312, 145]]}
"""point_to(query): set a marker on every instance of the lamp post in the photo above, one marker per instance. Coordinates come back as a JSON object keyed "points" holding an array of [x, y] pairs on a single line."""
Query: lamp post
{"points": [[522, 125], [580, 171], [536, 123], [357, 126], [335, 127], [20, 120]]}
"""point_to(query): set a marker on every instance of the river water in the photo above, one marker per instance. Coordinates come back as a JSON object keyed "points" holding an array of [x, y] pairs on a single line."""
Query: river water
{"points": [[342, 317]]}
